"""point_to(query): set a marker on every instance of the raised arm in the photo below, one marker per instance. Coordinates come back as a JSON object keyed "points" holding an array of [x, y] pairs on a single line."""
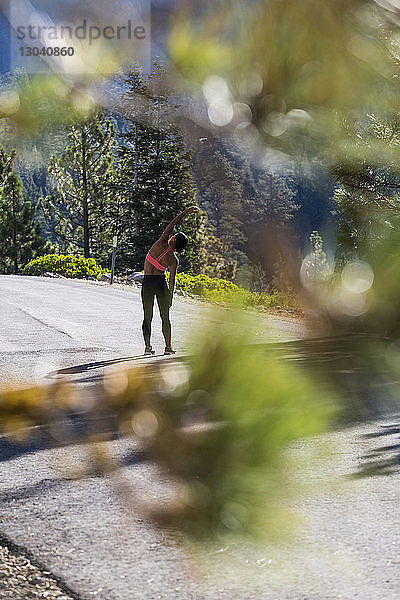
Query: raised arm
{"points": [[168, 230]]}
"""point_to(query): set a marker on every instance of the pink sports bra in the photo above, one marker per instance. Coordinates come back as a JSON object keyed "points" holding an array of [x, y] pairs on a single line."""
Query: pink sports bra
{"points": [[155, 261]]}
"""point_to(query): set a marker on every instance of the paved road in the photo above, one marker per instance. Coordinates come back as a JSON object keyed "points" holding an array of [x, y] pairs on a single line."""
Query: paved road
{"points": [[80, 529], [47, 324]]}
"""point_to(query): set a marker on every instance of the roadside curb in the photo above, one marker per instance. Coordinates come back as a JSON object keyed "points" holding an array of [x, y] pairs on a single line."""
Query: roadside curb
{"points": [[19, 550]]}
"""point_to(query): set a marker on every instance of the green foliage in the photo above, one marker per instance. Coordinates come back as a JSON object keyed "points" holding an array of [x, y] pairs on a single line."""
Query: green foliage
{"points": [[83, 205], [220, 194], [319, 57], [201, 284], [241, 199], [367, 197], [220, 425], [315, 268], [236, 472], [154, 171], [220, 290], [20, 235], [382, 299], [364, 296], [41, 101], [214, 255], [73, 267]]}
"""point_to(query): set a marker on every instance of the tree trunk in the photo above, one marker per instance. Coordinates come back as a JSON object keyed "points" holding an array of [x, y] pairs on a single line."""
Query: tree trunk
{"points": [[136, 216], [158, 156], [14, 233], [85, 206]]}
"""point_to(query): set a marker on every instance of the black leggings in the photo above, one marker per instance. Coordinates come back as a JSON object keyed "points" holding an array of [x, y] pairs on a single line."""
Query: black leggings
{"points": [[156, 285]]}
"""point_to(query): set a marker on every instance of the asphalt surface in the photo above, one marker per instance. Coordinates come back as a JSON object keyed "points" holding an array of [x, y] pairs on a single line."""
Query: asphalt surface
{"points": [[89, 535], [50, 324]]}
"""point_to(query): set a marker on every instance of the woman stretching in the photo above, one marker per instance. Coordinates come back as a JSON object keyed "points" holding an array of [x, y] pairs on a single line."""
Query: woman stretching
{"points": [[161, 257]]}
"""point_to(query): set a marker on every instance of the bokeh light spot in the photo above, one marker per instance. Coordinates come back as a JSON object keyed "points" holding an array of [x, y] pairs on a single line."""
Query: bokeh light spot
{"points": [[174, 377], [357, 277], [220, 113], [251, 85], [9, 102], [145, 423], [215, 89]]}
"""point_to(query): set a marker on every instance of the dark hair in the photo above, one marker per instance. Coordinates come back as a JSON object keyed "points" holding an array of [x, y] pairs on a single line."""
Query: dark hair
{"points": [[181, 241]]}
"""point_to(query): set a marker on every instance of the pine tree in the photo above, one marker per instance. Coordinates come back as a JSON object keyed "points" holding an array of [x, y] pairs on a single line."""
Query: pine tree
{"points": [[221, 197], [240, 201], [367, 197], [6, 165], [214, 255], [154, 172], [82, 207], [20, 237], [315, 269]]}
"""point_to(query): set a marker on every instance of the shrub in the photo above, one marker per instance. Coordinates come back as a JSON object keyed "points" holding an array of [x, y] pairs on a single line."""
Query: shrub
{"points": [[74, 267], [220, 290], [201, 285]]}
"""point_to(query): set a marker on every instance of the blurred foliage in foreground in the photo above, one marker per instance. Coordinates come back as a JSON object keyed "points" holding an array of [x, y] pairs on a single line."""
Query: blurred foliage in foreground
{"points": [[363, 296], [219, 425], [310, 80], [358, 304], [33, 103], [367, 196], [290, 69]]}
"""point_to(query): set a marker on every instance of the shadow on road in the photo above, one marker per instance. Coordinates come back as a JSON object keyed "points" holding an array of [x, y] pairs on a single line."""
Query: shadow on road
{"points": [[347, 364], [99, 365], [382, 460], [46, 485], [10, 450]]}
